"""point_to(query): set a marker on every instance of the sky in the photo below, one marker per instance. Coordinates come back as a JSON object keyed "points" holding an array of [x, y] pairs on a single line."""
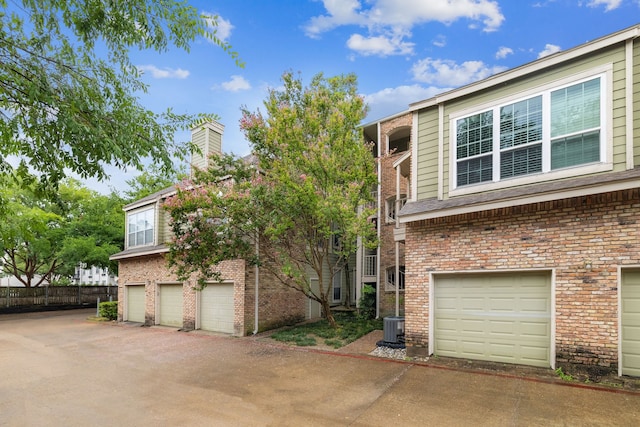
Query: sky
{"points": [[402, 51]]}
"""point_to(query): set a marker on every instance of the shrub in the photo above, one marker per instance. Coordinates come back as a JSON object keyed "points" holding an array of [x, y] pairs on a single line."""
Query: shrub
{"points": [[109, 309], [367, 303]]}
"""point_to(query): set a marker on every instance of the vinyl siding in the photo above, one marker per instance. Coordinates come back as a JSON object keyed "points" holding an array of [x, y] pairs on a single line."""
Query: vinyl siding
{"points": [[636, 102], [199, 139], [427, 174], [428, 124], [164, 230]]}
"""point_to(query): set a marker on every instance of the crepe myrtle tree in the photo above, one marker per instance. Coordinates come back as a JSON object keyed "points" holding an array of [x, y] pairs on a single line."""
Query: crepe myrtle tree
{"points": [[297, 207], [69, 91]]}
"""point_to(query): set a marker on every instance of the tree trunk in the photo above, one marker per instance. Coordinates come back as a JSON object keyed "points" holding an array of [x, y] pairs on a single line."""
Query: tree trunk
{"points": [[326, 310]]}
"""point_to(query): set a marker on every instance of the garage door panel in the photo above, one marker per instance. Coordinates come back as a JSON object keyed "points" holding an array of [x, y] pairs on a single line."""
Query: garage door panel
{"points": [[496, 317], [136, 303], [630, 322], [535, 354], [501, 328], [535, 305], [473, 348], [171, 302], [446, 303], [535, 329], [217, 308], [470, 304], [471, 326]]}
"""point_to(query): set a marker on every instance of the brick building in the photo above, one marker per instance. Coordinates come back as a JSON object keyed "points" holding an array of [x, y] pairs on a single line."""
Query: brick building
{"points": [[522, 224], [247, 300]]}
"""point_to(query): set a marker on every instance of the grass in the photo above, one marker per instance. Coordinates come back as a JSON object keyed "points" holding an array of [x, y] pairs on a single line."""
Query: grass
{"points": [[349, 329]]}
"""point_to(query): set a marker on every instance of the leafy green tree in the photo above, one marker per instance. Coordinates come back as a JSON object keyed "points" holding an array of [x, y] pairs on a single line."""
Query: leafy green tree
{"points": [[301, 203], [48, 236], [68, 88], [151, 180]]}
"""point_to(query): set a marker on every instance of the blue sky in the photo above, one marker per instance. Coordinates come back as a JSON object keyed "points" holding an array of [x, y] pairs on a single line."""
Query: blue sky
{"points": [[402, 51]]}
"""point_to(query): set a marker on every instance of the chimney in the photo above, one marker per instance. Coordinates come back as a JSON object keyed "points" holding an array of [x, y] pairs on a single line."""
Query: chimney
{"points": [[207, 137]]}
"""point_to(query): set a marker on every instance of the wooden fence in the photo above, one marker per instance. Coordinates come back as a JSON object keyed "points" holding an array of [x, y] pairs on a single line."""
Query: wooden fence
{"points": [[56, 295]]}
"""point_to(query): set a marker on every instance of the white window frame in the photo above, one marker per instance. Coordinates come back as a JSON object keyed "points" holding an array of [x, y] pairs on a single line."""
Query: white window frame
{"points": [[336, 285], [153, 225], [605, 73]]}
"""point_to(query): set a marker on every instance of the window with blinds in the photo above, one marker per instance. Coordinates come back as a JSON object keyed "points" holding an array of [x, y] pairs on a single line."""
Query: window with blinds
{"points": [[555, 129]]}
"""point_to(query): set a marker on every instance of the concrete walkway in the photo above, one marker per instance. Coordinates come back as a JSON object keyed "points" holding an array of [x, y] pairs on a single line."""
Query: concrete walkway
{"points": [[61, 370]]}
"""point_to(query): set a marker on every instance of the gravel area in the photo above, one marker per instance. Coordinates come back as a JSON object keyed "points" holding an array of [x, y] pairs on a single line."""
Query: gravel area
{"points": [[395, 353]]}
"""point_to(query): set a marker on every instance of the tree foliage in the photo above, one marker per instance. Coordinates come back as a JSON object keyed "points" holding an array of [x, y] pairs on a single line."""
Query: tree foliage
{"points": [[301, 201], [68, 88], [151, 180], [47, 237]]}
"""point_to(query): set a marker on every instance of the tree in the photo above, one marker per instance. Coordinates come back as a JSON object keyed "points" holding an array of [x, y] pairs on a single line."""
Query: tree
{"points": [[68, 89], [302, 204], [47, 237], [152, 180]]}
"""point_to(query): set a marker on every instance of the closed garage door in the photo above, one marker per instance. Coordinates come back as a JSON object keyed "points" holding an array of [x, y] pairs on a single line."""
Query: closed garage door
{"points": [[171, 305], [494, 317], [135, 303], [216, 308], [630, 323]]}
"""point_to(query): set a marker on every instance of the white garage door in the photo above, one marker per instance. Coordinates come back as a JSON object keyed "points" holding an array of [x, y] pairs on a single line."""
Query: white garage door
{"points": [[135, 303], [630, 314], [494, 317], [171, 305], [216, 308]]}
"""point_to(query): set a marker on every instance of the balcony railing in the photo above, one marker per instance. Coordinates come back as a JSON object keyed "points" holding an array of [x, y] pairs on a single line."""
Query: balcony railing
{"points": [[370, 265]]}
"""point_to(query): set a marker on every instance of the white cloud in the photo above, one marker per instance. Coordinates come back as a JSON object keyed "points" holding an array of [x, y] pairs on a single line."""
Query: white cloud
{"points": [[503, 52], [340, 12], [404, 13], [440, 41], [608, 4], [444, 72], [163, 73], [389, 22], [393, 100], [236, 84], [549, 49], [379, 45], [222, 26]]}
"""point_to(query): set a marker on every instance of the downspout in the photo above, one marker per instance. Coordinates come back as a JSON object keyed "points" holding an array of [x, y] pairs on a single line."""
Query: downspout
{"points": [[397, 243], [379, 219], [257, 287]]}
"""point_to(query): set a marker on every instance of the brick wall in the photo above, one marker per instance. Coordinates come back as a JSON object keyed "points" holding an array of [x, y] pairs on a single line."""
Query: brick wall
{"points": [[278, 305], [386, 250], [152, 271], [603, 229]]}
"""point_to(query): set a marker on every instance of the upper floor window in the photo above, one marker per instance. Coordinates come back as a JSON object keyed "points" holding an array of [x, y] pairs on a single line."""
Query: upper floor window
{"points": [[558, 128], [140, 226]]}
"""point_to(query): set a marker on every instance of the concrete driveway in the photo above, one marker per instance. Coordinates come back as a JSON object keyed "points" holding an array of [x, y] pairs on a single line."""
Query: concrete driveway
{"points": [[58, 369]]}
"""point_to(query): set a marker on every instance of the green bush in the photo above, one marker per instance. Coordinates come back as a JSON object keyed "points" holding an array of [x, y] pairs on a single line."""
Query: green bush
{"points": [[367, 304], [108, 309]]}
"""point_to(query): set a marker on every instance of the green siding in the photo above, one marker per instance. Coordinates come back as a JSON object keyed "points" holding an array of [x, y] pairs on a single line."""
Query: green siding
{"points": [[427, 170], [428, 123], [199, 139], [164, 230], [636, 102]]}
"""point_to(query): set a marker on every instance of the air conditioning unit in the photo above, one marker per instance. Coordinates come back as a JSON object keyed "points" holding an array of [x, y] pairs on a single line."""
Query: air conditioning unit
{"points": [[394, 329]]}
